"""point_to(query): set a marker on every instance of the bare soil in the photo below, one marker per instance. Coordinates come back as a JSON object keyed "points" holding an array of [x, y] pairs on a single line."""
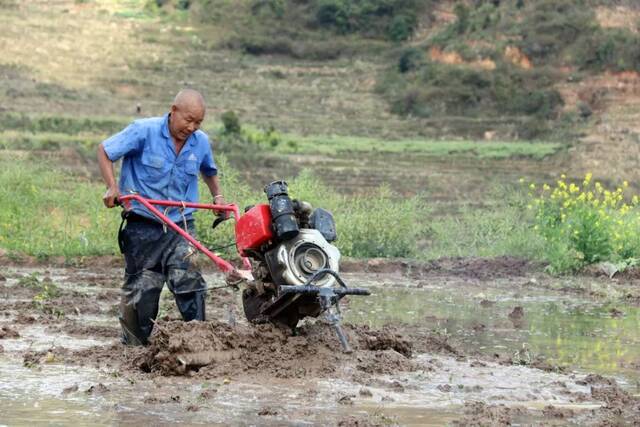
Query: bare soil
{"points": [[216, 351]]}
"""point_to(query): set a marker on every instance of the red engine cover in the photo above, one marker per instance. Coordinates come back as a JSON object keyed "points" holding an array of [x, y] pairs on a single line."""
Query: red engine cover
{"points": [[253, 228]]}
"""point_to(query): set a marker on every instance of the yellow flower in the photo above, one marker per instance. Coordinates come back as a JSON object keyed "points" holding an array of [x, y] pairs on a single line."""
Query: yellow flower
{"points": [[587, 178], [625, 184], [532, 186], [598, 187]]}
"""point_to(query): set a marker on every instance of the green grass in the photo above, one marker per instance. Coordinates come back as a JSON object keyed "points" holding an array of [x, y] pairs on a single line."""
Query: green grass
{"points": [[12, 140], [375, 225], [61, 123], [504, 229], [334, 145], [44, 213], [51, 132]]}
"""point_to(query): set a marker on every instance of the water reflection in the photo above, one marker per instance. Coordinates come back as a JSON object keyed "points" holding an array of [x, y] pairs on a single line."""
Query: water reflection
{"points": [[568, 331]]}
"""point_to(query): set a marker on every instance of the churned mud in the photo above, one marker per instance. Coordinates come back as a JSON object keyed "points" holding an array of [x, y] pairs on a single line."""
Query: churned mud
{"points": [[458, 342], [215, 349]]}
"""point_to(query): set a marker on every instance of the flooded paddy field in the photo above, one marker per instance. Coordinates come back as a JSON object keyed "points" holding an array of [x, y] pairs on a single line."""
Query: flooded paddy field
{"points": [[448, 342]]}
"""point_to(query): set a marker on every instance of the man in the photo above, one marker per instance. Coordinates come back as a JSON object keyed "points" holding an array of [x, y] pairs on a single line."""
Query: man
{"points": [[161, 160]]}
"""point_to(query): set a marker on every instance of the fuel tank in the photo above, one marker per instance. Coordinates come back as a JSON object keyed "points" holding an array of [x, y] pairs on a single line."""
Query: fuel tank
{"points": [[253, 229]]}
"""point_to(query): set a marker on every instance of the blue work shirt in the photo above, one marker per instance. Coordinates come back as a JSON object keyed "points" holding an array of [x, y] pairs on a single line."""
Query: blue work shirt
{"points": [[152, 169]]}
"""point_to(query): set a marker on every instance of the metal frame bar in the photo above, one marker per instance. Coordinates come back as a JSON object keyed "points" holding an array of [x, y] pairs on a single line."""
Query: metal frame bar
{"points": [[222, 264]]}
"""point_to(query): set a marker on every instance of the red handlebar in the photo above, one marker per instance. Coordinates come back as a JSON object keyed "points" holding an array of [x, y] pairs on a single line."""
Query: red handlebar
{"points": [[223, 265]]}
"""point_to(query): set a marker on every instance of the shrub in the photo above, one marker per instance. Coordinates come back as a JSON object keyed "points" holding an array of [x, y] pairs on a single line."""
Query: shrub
{"points": [[411, 59], [433, 89], [551, 25], [334, 13], [401, 27], [541, 102], [612, 49], [462, 14], [533, 128], [231, 122], [159, 4], [275, 8], [584, 223], [391, 19]]}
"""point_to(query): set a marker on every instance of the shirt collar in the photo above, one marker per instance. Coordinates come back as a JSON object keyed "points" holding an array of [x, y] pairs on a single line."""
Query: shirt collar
{"points": [[165, 126]]}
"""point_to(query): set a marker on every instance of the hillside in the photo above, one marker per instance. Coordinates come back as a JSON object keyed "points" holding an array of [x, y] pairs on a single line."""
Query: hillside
{"points": [[93, 62]]}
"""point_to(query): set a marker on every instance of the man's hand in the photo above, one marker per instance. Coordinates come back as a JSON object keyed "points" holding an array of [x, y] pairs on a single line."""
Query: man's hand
{"points": [[110, 197], [219, 200]]}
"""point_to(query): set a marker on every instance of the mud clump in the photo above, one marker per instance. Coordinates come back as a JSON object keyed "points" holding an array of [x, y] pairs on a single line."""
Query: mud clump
{"points": [[25, 319], [386, 339], [481, 414], [384, 362], [267, 411], [97, 389], [517, 313], [7, 332], [215, 349], [551, 411], [596, 379]]}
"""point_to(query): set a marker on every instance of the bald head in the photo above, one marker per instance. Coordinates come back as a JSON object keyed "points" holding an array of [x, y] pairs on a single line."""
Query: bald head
{"points": [[187, 114], [189, 98]]}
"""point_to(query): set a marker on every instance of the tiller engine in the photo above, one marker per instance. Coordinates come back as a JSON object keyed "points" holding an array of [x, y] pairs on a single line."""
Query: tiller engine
{"points": [[295, 266], [287, 246]]}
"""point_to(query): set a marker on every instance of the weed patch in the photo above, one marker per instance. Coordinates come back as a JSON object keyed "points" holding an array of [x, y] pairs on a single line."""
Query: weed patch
{"points": [[499, 230], [586, 223]]}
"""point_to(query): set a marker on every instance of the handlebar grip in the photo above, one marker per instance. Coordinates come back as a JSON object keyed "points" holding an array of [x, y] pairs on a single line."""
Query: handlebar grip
{"points": [[352, 291], [314, 290]]}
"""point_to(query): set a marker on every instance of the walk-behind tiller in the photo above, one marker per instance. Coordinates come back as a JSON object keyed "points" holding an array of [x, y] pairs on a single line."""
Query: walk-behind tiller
{"points": [[293, 271]]}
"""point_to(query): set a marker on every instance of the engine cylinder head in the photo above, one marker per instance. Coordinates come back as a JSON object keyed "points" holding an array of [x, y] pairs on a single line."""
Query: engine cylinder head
{"points": [[284, 220]]}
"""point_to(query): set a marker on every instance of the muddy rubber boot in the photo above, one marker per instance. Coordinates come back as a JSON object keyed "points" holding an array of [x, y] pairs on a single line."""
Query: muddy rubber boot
{"points": [[139, 306], [189, 290]]}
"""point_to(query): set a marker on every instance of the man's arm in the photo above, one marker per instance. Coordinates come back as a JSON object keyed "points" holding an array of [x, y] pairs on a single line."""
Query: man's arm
{"points": [[214, 187], [106, 170]]}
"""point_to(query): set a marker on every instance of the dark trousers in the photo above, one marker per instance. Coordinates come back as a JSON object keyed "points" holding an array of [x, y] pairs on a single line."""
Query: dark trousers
{"points": [[154, 257]]}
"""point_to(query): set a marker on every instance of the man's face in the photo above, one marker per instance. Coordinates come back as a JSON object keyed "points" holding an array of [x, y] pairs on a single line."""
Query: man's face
{"points": [[185, 120]]}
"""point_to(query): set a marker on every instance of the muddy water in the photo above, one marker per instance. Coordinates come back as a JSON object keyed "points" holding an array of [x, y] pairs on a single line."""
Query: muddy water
{"points": [[581, 333], [578, 332]]}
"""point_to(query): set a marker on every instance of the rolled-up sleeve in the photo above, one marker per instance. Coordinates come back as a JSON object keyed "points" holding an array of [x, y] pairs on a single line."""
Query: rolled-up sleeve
{"points": [[127, 141], [208, 166]]}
